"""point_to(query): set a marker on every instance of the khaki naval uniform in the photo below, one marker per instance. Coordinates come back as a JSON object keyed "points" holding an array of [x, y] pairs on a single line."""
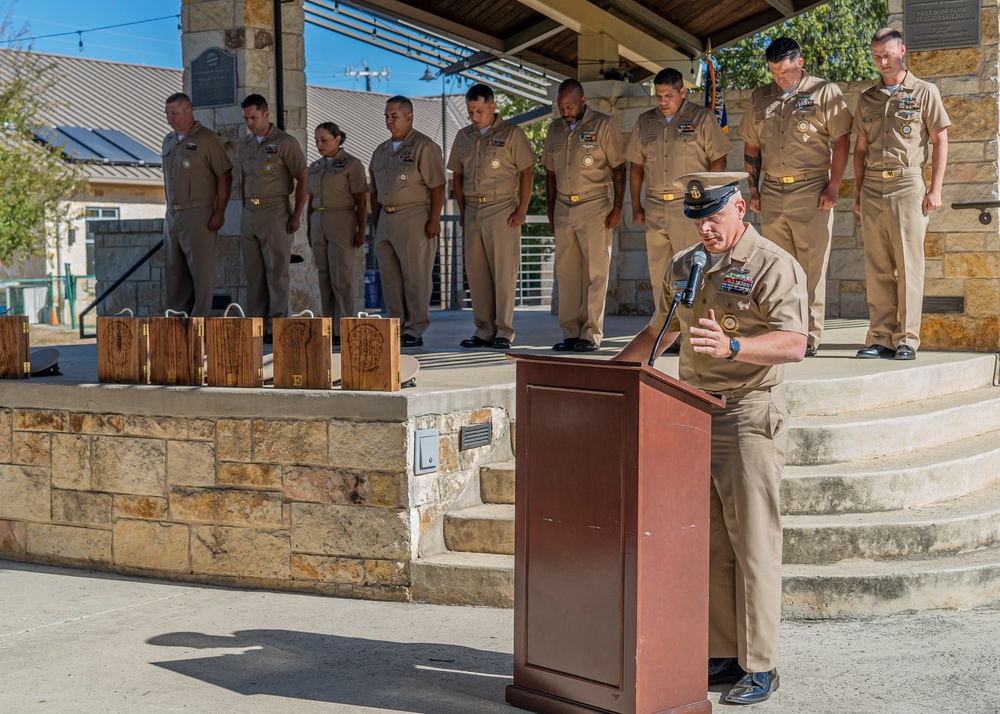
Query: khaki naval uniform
{"points": [[268, 169], [582, 160], [192, 166], [794, 134], [331, 184], [491, 164], [755, 288], [403, 180], [898, 128], [689, 143]]}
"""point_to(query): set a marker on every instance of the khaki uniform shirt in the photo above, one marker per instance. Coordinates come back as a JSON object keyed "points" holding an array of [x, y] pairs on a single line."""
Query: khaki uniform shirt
{"points": [[192, 167], [689, 143], [583, 158], [794, 133], [491, 163], [754, 289], [269, 167], [898, 126], [332, 182], [407, 175]]}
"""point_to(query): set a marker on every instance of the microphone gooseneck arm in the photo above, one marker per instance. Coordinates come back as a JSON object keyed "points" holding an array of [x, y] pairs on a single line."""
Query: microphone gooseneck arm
{"points": [[685, 297]]}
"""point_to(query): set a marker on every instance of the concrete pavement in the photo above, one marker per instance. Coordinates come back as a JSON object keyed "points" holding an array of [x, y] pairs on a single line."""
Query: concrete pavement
{"points": [[82, 642]]}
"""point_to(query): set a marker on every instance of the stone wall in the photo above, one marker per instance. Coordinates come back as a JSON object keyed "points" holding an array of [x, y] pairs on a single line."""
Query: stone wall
{"points": [[318, 504]]}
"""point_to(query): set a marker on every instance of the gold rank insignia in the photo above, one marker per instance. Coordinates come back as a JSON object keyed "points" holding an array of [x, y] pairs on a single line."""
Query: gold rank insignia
{"points": [[730, 323], [803, 125], [268, 168], [694, 188], [495, 163], [588, 160]]}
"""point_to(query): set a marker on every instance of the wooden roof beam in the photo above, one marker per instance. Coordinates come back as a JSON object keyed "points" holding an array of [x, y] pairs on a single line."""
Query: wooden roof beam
{"points": [[533, 35], [785, 7], [690, 44], [634, 44]]}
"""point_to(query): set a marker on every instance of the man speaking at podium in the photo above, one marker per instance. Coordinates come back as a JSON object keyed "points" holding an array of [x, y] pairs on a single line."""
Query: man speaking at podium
{"points": [[748, 317]]}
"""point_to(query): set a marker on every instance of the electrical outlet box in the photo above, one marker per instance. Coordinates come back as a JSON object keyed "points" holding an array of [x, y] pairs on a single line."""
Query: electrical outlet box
{"points": [[426, 459]]}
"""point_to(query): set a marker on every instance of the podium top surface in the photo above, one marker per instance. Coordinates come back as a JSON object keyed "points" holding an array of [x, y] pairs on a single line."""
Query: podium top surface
{"points": [[640, 368]]}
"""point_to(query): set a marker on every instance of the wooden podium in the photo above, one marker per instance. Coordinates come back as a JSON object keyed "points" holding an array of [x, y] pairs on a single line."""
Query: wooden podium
{"points": [[611, 539]]}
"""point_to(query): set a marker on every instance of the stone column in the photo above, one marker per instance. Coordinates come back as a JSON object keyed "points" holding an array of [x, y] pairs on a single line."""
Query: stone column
{"points": [[246, 29], [963, 255]]}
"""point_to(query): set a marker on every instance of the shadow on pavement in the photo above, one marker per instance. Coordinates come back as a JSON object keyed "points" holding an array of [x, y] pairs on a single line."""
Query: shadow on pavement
{"points": [[411, 677]]}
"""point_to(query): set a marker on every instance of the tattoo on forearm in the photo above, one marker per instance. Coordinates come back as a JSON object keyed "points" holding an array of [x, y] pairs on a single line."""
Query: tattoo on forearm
{"points": [[753, 168]]}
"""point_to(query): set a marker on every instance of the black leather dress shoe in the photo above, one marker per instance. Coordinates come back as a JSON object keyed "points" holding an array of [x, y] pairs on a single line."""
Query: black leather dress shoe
{"points": [[335, 341], [501, 343], [811, 350], [411, 341], [724, 670], [474, 342], [905, 352], [585, 346], [876, 352], [754, 687], [565, 345]]}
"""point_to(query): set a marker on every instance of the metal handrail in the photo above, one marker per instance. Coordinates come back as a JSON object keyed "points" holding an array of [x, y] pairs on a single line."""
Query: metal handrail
{"points": [[124, 276]]}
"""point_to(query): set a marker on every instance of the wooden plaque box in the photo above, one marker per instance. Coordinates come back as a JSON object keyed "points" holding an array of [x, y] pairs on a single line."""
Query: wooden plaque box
{"points": [[177, 350], [235, 351], [123, 350], [303, 353], [15, 354], [369, 353]]}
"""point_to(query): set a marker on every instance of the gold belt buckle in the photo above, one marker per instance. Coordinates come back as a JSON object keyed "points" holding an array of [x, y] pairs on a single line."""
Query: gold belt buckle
{"points": [[390, 209], [889, 173], [254, 201], [480, 199], [574, 198], [787, 179], [668, 197], [321, 208]]}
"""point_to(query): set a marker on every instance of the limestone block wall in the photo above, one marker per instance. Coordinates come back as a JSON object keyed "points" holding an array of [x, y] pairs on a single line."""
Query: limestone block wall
{"points": [[313, 503]]}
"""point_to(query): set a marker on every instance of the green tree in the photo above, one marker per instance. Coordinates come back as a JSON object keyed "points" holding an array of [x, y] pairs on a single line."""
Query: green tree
{"points": [[511, 106], [835, 40], [35, 182]]}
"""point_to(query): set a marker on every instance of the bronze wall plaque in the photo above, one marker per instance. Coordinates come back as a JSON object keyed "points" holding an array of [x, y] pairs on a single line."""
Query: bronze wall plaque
{"points": [[941, 24], [213, 79]]}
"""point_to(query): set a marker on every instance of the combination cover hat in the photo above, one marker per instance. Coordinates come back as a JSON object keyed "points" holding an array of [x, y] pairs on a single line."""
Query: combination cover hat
{"points": [[706, 193]]}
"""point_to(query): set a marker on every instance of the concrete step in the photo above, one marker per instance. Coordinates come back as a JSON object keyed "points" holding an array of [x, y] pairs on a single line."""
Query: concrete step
{"points": [[893, 430], [496, 482], [964, 524], [874, 588], [840, 591], [874, 384], [488, 528], [914, 479], [482, 579]]}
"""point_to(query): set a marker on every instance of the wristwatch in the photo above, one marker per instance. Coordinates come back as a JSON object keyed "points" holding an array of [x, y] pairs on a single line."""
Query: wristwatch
{"points": [[734, 346]]}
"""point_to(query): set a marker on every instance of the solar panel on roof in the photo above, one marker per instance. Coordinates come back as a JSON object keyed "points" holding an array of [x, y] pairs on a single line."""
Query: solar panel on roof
{"points": [[102, 146], [128, 144]]}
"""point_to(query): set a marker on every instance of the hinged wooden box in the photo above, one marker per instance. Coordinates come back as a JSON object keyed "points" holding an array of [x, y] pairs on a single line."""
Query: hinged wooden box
{"points": [[303, 352], [177, 350], [369, 349], [235, 351], [123, 350], [15, 354]]}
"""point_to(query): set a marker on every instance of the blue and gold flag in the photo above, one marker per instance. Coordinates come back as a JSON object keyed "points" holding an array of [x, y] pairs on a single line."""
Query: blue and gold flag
{"points": [[713, 95]]}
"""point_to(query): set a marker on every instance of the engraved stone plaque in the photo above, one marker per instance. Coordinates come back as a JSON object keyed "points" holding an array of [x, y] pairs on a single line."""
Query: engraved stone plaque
{"points": [[941, 24], [213, 79]]}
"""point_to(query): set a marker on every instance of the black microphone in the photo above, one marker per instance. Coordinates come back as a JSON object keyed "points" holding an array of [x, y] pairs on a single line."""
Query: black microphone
{"points": [[698, 261]]}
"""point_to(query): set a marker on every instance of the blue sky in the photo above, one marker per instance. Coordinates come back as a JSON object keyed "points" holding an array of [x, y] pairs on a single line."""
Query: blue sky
{"points": [[158, 43]]}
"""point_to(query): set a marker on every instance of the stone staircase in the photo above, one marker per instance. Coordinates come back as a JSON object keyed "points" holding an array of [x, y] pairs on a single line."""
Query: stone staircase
{"points": [[891, 499]]}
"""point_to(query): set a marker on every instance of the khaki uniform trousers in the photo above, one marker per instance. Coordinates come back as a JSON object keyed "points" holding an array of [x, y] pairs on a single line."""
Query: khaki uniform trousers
{"points": [[749, 440], [331, 233], [190, 260], [267, 252], [668, 231], [492, 260], [792, 219], [583, 261], [405, 263], [893, 227]]}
